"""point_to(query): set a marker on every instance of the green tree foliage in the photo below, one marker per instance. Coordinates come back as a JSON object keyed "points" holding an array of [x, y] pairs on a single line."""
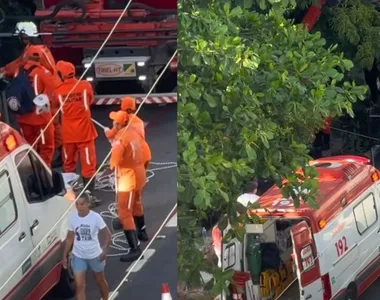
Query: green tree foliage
{"points": [[355, 26], [253, 89]]}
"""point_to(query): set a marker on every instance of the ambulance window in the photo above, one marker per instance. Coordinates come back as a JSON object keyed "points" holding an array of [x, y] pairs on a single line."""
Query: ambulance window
{"points": [[36, 181], [45, 176], [365, 214], [8, 210]]}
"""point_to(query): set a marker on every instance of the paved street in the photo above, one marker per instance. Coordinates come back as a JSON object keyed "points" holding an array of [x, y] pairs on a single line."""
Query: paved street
{"points": [[372, 293], [159, 265]]}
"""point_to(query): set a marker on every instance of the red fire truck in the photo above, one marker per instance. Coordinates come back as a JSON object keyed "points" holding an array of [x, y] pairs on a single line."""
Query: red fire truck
{"points": [[133, 57]]}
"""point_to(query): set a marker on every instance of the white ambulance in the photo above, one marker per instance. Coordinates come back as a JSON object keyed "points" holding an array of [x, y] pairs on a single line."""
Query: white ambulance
{"points": [[335, 249], [32, 200]]}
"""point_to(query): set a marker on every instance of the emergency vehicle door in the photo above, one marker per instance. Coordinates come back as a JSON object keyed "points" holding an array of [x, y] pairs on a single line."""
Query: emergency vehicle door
{"points": [[15, 239], [44, 207], [308, 271], [231, 253]]}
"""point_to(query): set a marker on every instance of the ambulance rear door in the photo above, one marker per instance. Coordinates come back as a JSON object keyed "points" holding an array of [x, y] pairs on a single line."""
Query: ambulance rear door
{"points": [[231, 253], [308, 271]]}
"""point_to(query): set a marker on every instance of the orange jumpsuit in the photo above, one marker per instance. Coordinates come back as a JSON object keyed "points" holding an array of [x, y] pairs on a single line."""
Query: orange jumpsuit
{"points": [[31, 124], [127, 158], [54, 83], [138, 125], [78, 131], [47, 61]]}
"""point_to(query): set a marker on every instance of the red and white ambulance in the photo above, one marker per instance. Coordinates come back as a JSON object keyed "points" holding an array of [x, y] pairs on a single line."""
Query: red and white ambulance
{"points": [[32, 201], [336, 248]]}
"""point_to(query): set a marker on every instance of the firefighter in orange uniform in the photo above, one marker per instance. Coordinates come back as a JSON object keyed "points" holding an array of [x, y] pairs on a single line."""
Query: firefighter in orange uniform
{"points": [[128, 105], [32, 124], [127, 159], [78, 131], [46, 60]]}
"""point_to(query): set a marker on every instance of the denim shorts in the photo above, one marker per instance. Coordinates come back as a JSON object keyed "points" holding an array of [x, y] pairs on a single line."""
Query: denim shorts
{"points": [[82, 265]]}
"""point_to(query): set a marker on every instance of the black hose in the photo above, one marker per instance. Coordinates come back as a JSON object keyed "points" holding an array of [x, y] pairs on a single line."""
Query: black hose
{"points": [[77, 4], [2, 16], [154, 10]]}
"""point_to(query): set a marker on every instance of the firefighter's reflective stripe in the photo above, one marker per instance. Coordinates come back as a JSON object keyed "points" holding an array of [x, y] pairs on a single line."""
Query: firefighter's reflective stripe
{"points": [[35, 85], [87, 153], [64, 153], [60, 102], [42, 136], [130, 200], [85, 99], [52, 65]]}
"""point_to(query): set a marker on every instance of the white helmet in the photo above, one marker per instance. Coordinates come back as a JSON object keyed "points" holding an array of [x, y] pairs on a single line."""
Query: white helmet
{"points": [[27, 28], [42, 103]]}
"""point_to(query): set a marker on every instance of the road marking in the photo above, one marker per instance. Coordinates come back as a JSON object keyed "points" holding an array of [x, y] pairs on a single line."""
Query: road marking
{"points": [[114, 296], [172, 222], [146, 124], [138, 266]]}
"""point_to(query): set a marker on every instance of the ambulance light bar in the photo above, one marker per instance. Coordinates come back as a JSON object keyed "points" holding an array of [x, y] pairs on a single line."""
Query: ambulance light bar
{"points": [[10, 143], [375, 176], [273, 210], [322, 223]]}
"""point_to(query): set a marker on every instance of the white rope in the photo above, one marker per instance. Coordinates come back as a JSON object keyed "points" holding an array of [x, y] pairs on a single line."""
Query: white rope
{"points": [[41, 136], [93, 177], [106, 183], [143, 252]]}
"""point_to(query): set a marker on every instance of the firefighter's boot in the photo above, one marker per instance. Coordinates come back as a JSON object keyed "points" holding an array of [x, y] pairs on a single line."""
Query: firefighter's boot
{"points": [[91, 188], [134, 251], [141, 228]]}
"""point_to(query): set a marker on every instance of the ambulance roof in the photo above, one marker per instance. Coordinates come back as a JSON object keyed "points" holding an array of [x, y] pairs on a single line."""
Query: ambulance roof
{"points": [[10, 139], [341, 178]]}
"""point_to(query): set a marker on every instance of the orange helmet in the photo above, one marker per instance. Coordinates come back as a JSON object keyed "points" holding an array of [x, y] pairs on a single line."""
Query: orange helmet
{"points": [[120, 117], [34, 52], [41, 54], [66, 69], [128, 103]]}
